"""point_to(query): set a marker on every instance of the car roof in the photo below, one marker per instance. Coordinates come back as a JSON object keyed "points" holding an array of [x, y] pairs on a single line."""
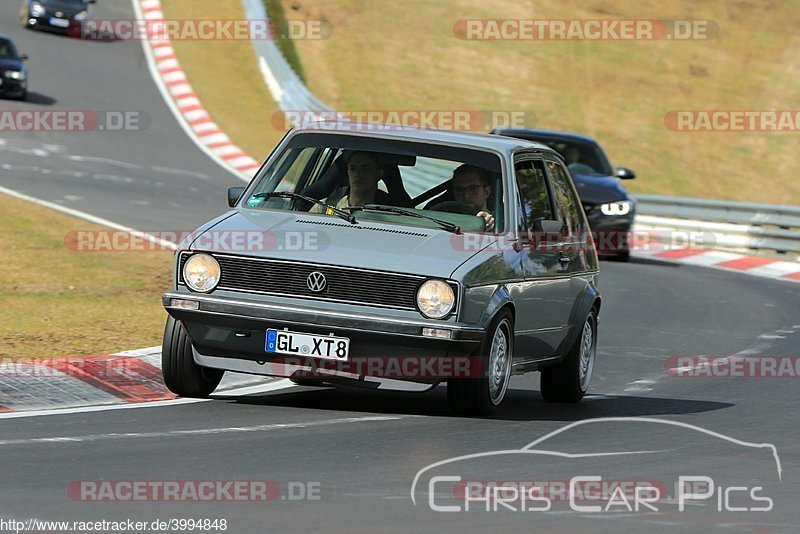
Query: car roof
{"points": [[544, 133], [482, 140]]}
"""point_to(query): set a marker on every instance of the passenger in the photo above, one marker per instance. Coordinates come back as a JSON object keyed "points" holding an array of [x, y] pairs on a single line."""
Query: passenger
{"points": [[571, 155], [363, 174], [471, 185]]}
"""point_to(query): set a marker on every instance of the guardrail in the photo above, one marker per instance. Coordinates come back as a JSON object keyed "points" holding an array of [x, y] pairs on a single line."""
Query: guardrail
{"points": [[735, 226]]}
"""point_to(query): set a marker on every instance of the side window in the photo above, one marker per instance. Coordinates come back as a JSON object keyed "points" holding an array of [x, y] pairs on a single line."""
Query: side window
{"points": [[567, 202], [533, 192]]}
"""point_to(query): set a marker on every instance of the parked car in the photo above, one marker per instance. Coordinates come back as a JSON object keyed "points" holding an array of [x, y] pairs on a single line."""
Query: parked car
{"points": [[401, 268], [59, 15], [608, 205], [13, 74]]}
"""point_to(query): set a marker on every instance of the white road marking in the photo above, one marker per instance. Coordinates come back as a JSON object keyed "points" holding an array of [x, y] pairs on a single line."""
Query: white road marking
{"points": [[640, 385], [109, 161], [247, 390], [199, 431], [88, 217]]}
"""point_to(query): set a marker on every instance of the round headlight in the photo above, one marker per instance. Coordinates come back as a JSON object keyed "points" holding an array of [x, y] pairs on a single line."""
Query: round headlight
{"points": [[435, 299], [201, 273]]}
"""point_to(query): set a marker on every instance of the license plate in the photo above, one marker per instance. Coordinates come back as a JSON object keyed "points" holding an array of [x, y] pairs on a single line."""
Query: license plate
{"points": [[298, 344], [61, 23]]}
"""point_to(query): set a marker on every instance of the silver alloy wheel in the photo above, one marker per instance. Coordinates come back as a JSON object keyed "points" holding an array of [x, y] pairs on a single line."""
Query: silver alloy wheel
{"points": [[499, 362], [588, 349]]}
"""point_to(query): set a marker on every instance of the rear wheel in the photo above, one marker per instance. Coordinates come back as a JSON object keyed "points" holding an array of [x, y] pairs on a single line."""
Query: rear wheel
{"points": [[569, 380], [479, 396], [181, 374]]}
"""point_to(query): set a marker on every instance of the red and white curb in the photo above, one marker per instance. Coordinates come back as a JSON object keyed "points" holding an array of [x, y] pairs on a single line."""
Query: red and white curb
{"points": [[728, 261], [52, 385], [182, 100]]}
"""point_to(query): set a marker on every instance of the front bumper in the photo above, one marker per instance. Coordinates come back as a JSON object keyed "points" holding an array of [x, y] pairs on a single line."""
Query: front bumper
{"points": [[231, 334], [612, 233], [12, 87], [45, 22]]}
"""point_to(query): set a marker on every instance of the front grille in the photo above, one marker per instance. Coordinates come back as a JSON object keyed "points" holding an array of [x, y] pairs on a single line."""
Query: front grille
{"points": [[288, 278]]}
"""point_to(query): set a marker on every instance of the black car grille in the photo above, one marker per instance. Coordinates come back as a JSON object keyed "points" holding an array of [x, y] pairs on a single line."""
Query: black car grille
{"points": [[289, 278]]}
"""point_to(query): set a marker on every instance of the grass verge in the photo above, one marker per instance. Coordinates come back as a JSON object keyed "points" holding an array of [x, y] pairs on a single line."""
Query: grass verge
{"points": [[83, 303]]}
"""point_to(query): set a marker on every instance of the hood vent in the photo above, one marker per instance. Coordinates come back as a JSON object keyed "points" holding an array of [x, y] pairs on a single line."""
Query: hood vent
{"points": [[360, 227]]}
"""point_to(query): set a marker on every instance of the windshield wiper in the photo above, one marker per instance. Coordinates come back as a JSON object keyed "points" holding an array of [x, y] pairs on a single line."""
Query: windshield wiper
{"points": [[450, 227], [349, 217]]}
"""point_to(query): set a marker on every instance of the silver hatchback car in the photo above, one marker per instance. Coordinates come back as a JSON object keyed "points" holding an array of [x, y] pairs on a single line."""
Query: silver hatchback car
{"points": [[396, 258]]}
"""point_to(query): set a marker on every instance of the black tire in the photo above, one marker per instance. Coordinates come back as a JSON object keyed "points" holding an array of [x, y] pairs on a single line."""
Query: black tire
{"points": [[23, 96], [473, 396], [181, 375], [624, 256], [563, 382]]}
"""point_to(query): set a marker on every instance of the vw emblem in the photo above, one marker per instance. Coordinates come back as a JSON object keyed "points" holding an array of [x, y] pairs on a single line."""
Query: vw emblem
{"points": [[59, 14], [316, 282]]}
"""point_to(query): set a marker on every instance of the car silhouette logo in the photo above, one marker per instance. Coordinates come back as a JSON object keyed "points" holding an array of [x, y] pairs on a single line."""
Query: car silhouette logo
{"points": [[316, 282]]}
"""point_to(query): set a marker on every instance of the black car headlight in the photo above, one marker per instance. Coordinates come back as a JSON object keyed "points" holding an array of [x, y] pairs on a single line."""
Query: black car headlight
{"points": [[201, 272], [16, 74], [37, 9], [435, 298], [622, 207]]}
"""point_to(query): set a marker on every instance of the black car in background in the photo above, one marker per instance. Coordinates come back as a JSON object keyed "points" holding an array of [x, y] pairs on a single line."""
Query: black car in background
{"points": [[13, 74], [55, 14], [608, 206]]}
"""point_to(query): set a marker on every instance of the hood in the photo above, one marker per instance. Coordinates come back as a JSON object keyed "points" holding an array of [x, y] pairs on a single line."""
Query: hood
{"points": [[331, 240], [599, 189], [14, 64]]}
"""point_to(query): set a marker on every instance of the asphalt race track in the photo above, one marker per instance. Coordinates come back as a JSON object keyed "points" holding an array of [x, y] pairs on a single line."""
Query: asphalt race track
{"points": [[362, 450]]}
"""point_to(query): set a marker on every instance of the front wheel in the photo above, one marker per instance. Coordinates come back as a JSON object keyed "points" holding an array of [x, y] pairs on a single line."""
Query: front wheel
{"points": [[569, 380], [181, 374], [480, 396]]}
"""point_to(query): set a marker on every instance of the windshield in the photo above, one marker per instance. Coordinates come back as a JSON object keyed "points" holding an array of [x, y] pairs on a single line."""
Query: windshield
{"points": [[7, 50], [581, 157], [460, 186], [79, 4]]}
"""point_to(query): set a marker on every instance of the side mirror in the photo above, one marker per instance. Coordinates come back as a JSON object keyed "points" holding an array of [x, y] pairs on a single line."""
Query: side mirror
{"points": [[624, 173], [23, 57], [234, 194]]}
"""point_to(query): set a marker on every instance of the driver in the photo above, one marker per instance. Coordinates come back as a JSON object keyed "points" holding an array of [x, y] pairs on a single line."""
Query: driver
{"points": [[363, 174], [471, 185]]}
